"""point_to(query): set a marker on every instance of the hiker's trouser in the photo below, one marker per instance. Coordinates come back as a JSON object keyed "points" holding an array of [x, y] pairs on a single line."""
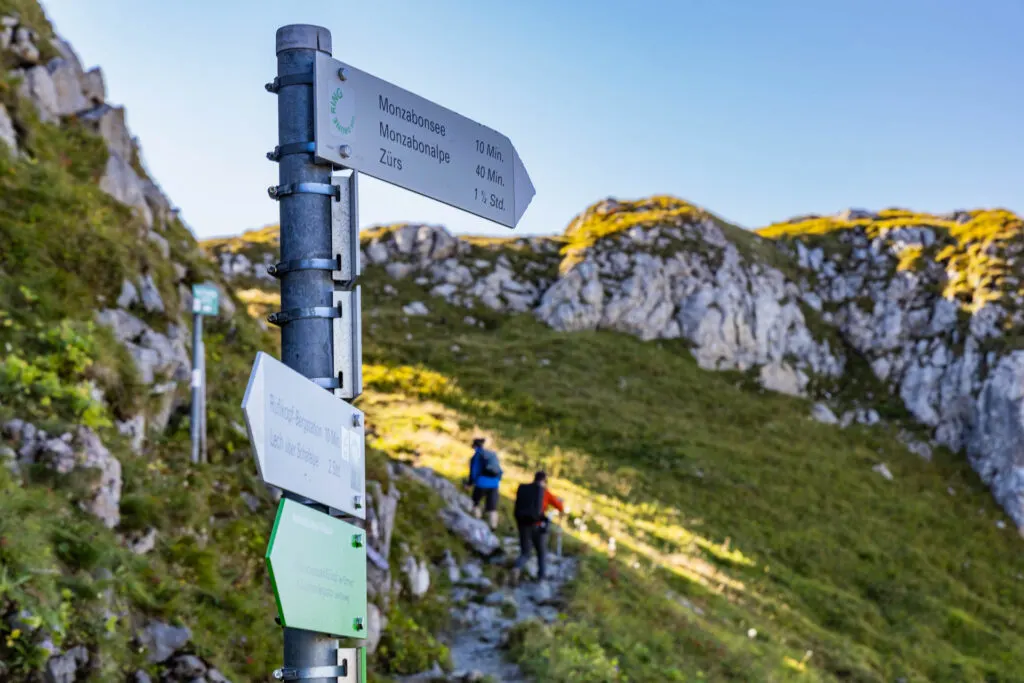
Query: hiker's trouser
{"points": [[531, 536]]}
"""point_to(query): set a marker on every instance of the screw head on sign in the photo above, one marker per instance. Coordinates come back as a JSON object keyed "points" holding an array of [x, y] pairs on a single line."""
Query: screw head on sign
{"points": [[355, 420], [343, 74], [357, 623], [357, 540], [357, 502], [345, 151]]}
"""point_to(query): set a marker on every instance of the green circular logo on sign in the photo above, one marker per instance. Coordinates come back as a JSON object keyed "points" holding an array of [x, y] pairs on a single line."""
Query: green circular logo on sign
{"points": [[343, 114]]}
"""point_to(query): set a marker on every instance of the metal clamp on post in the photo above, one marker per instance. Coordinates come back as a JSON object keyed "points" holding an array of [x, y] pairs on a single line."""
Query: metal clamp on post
{"points": [[330, 383], [296, 674], [284, 317], [279, 269], [278, 191], [291, 148], [290, 79]]}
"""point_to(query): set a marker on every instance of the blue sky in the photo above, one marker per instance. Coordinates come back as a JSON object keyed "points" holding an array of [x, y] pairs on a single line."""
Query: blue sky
{"points": [[755, 109]]}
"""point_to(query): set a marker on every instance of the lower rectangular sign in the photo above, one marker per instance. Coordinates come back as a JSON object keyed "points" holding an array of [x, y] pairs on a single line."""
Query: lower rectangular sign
{"points": [[317, 565]]}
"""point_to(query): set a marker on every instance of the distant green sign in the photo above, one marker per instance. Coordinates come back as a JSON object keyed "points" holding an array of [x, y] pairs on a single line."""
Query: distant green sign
{"points": [[317, 566], [205, 299]]}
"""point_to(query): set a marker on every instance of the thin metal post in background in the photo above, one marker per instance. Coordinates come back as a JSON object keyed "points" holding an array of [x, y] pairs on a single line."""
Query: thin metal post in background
{"points": [[197, 381], [306, 342], [203, 457]]}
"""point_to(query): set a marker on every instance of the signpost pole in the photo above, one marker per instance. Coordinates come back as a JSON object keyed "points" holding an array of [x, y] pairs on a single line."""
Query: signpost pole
{"points": [[202, 396], [197, 381], [305, 234]]}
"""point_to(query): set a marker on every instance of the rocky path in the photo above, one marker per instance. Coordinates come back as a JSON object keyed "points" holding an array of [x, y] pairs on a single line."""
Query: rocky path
{"points": [[483, 607], [484, 613]]}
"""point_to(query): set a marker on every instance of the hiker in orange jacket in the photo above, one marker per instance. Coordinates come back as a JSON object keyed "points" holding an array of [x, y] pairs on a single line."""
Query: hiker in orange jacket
{"points": [[532, 503]]}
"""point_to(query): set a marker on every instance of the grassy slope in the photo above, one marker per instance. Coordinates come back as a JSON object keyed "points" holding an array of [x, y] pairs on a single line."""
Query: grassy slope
{"points": [[733, 499], [731, 509]]}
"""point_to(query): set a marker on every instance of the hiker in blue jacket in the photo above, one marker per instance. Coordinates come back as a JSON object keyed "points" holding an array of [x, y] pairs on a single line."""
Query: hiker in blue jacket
{"points": [[484, 476]]}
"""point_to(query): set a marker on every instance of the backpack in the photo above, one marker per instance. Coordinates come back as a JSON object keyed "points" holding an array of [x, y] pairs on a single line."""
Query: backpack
{"points": [[490, 467], [529, 503]]}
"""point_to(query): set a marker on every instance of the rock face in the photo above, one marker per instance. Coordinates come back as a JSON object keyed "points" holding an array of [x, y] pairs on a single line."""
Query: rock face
{"points": [[927, 310], [794, 310], [67, 453], [161, 359], [688, 281], [456, 515]]}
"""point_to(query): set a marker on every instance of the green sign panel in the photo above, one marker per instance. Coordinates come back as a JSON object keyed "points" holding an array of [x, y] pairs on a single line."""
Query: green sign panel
{"points": [[204, 299], [317, 565]]}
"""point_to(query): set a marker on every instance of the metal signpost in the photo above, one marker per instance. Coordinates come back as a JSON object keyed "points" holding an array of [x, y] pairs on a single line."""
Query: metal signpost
{"points": [[306, 439], [205, 301]]}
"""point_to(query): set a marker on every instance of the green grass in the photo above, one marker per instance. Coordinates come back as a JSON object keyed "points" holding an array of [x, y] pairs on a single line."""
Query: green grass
{"points": [[729, 498]]}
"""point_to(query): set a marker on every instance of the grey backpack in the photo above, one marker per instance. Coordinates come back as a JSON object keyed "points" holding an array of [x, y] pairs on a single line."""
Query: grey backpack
{"points": [[490, 467]]}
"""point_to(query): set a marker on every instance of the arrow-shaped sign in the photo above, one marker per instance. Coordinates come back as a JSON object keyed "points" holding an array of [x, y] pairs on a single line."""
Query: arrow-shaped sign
{"points": [[376, 128], [304, 439], [317, 566]]}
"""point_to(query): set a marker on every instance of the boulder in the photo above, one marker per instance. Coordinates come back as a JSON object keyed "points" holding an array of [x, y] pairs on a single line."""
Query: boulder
{"points": [[156, 356], [162, 245], [121, 182], [140, 544], [111, 125], [187, 668], [94, 87], [8, 135], [66, 77], [135, 429], [105, 493], [150, 295], [822, 413], [129, 295], [474, 532], [22, 45], [162, 640], [417, 574], [377, 622], [64, 668], [415, 308], [37, 87]]}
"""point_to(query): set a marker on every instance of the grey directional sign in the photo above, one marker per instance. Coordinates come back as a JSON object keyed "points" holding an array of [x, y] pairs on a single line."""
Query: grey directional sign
{"points": [[369, 125], [304, 439]]}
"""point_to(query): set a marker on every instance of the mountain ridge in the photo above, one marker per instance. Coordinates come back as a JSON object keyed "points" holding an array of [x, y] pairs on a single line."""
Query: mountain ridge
{"points": [[795, 301]]}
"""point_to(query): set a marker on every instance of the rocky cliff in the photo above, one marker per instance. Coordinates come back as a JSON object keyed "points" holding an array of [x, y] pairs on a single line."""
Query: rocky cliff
{"points": [[928, 307]]}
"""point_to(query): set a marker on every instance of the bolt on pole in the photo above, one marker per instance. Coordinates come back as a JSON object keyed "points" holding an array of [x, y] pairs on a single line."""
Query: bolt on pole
{"points": [[197, 381], [306, 342]]}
